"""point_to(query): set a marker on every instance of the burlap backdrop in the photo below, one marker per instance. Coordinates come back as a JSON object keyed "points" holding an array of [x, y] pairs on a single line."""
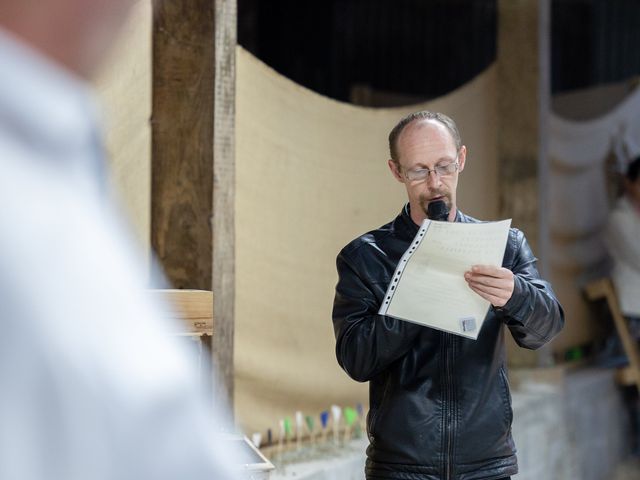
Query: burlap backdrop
{"points": [[124, 86], [311, 176]]}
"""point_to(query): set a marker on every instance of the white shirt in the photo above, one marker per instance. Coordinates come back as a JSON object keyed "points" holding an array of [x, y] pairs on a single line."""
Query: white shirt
{"points": [[623, 241], [92, 383]]}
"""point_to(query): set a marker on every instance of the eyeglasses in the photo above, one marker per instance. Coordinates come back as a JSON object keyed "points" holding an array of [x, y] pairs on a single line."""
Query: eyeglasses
{"points": [[420, 174]]}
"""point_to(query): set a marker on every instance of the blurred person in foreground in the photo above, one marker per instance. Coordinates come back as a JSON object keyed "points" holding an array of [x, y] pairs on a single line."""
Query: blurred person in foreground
{"points": [[623, 242], [622, 237], [93, 385], [440, 406]]}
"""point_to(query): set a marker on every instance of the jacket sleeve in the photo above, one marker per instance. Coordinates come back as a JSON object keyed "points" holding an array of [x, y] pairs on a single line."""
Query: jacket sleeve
{"points": [[533, 314], [366, 343]]}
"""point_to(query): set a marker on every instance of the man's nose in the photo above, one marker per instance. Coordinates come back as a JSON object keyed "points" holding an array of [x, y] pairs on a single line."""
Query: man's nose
{"points": [[433, 180]]}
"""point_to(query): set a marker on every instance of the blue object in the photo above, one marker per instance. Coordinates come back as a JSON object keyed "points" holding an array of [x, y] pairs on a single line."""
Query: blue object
{"points": [[324, 418]]}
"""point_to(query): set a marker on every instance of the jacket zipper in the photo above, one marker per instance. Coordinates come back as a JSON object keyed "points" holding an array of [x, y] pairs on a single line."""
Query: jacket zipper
{"points": [[449, 344]]}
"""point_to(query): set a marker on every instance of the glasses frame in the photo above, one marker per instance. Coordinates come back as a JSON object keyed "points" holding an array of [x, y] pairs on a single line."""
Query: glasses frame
{"points": [[405, 173]]}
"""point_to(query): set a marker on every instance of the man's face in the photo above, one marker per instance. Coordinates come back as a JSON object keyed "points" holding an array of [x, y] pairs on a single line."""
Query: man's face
{"points": [[427, 144], [74, 33], [99, 27]]}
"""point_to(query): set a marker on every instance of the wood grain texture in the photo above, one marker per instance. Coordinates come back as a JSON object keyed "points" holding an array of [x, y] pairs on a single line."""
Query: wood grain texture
{"points": [[193, 158], [182, 140]]}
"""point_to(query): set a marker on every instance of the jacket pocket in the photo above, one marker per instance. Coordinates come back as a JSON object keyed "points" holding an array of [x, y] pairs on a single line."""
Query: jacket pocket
{"points": [[375, 413], [506, 396]]}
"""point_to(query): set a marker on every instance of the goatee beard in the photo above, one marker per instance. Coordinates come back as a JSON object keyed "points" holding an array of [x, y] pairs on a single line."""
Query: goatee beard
{"points": [[424, 203]]}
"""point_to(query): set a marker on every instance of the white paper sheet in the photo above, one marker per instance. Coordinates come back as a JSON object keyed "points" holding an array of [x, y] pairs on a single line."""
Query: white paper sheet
{"points": [[428, 285]]}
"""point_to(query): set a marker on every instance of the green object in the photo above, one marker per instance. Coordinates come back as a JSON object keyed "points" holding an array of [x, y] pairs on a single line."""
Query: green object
{"points": [[574, 353], [310, 423], [350, 415], [287, 427]]}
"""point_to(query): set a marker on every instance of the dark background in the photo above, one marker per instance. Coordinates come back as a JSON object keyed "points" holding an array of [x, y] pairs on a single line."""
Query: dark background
{"points": [[425, 48]]}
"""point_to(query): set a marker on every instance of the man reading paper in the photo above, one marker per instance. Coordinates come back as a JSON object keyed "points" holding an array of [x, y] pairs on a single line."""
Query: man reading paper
{"points": [[440, 406]]}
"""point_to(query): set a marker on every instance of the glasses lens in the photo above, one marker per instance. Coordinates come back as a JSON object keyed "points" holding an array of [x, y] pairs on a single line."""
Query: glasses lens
{"points": [[446, 169], [422, 173], [415, 175]]}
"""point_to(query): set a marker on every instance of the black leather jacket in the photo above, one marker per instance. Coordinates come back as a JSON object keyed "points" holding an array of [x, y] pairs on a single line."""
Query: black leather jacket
{"points": [[440, 406]]}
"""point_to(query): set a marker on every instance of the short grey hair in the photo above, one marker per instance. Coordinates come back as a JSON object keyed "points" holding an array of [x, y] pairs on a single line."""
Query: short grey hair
{"points": [[422, 115]]}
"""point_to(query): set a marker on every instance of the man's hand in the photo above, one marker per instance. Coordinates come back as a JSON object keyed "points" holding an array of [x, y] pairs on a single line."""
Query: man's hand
{"points": [[494, 284]]}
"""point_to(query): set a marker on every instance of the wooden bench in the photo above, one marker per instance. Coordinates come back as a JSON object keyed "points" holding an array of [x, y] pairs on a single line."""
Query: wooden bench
{"points": [[603, 289], [194, 308]]}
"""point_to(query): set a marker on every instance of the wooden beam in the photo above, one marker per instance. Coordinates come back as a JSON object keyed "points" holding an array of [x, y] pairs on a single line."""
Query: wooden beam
{"points": [[193, 169], [523, 66], [224, 191], [182, 140], [523, 106]]}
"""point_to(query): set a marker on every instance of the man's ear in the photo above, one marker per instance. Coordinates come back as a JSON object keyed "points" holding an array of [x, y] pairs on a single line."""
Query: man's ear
{"points": [[462, 157], [395, 170]]}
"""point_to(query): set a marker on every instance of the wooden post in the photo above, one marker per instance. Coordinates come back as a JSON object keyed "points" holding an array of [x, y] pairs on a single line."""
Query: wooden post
{"points": [[224, 191], [193, 171], [523, 65]]}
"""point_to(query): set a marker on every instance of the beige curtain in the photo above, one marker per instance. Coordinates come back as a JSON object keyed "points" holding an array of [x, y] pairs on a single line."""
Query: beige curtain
{"points": [[311, 176], [124, 88]]}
